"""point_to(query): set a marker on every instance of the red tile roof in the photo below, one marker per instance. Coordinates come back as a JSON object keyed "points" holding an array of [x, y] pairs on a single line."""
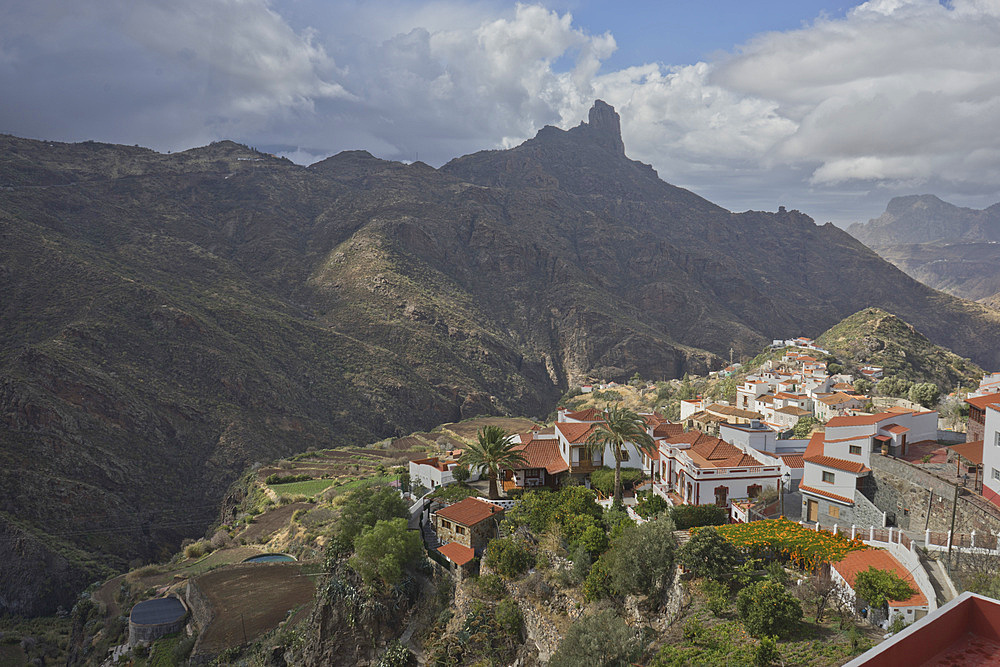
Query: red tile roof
{"points": [[709, 451], [972, 451], [859, 420], [667, 430], [542, 454], [576, 433], [458, 554], [469, 511], [793, 460], [880, 559], [826, 494], [982, 401], [432, 462], [588, 415], [794, 411], [895, 428], [814, 454]]}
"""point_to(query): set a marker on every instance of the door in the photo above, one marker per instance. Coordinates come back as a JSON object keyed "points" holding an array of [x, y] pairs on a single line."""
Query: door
{"points": [[812, 512]]}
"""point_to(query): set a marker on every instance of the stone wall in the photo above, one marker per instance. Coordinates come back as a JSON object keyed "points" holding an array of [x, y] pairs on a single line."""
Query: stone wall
{"points": [[917, 500], [866, 513]]}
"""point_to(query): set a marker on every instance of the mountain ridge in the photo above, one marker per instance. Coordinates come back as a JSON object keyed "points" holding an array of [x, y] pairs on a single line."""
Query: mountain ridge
{"points": [[171, 319]]}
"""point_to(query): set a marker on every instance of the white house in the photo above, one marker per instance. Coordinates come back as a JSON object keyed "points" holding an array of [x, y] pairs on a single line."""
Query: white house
{"points": [[991, 454], [434, 472], [845, 572], [837, 458]]}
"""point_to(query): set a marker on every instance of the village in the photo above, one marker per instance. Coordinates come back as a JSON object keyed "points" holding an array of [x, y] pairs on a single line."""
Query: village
{"points": [[883, 476]]}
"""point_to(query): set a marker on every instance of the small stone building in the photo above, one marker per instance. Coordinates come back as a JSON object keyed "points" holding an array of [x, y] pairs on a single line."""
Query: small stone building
{"points": [[471, 522]]}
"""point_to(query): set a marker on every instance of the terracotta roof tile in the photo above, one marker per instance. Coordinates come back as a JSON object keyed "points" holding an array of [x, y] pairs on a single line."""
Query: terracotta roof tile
{"points": [[667, 430], [576, 433], [469, 511], [793, 460], [457, 553], [826, 494], [588, 415], [880, 559], [542, 454], [973, 451], [982, 401], [896, 428]]}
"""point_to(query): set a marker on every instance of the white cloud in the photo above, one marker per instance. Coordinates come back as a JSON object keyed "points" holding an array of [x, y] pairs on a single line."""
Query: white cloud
{"points": [[898, 94]]}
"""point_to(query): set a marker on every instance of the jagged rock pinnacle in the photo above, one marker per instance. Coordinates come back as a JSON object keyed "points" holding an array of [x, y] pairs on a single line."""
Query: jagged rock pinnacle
{"points": [[606, 126]]}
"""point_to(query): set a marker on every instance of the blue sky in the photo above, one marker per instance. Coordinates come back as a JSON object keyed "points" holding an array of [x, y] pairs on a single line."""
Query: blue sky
{"points": [[825, 107]]}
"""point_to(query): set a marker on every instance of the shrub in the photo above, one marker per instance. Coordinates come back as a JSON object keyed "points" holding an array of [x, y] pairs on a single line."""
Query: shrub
{"points": [[803, 427], [383, 551], [708, 554], [897, 623], [598, 640], [877, 587], [396, 655], [508, 616], [198, 549], [364, 508], [766, 652], [508, 557], [716, 596], [694, 516], [603, 479], [597, 585], [642, 559], [461, 474], [490, 586], [766, 608], [650, 506], [924, 393], [275, 478]]}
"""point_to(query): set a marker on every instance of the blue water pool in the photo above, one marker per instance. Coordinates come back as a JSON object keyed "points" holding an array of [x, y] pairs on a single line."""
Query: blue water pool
{"points": [[270, 558]]}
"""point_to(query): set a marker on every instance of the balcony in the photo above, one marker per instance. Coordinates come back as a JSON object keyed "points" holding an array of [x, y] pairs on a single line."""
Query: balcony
{"points": [[584, 467]]}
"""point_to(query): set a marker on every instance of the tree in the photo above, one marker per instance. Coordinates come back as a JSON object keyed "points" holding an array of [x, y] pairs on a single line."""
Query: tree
{"points": [[364, 508], [924, 393], [894, 386], [863, 386], [620, 427], [492, 452], [602, 639], [803, 427], [641, 560], [694, 516], [508, 557], [766, 608], [461, 474], [877, 587], [819, 591], [708, 554], [382, 552]]}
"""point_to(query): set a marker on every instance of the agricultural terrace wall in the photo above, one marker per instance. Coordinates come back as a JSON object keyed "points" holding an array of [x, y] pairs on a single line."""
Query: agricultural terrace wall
{"points": [[201, 610], [916, 500]]}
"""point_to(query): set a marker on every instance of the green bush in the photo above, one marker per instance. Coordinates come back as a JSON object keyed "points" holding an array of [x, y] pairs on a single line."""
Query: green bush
{"points": [[641, 561], [766, 652], [597, 585], [716, 596], [382, 552], [508, 557], [490, 586], [364, 508], [708, 554], [508, 616], [275, 478], [651, 505], [766, 608], [396, 655], [603, 479], [924, 393], [877, 587], [695, 516], [601, 639]]}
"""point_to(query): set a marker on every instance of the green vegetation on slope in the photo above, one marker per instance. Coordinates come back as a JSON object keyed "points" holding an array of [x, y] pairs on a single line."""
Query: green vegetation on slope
{"points": [[876, 337]]}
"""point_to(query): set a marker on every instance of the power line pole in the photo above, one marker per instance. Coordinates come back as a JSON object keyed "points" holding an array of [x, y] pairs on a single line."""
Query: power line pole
{"points": [[951, 534]]}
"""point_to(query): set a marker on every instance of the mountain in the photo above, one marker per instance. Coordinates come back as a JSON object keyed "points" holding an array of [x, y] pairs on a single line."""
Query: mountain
{"points": [[171, 319], [953, 249], [875, 337]]}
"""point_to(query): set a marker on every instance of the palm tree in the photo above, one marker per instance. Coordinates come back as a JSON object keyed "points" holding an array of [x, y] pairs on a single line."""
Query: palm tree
{"points": [[621, 426], [493, 452]]}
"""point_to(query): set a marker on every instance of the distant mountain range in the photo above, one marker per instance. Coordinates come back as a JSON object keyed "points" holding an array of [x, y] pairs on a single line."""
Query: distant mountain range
{"points": [[168, 320], [953, 249]]}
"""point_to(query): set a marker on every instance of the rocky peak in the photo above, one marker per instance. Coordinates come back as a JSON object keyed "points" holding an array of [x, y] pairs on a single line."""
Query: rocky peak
{"points": [[605, 126]]}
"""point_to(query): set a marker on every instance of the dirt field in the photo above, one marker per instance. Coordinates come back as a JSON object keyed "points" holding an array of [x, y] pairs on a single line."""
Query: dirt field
{"points": [[269, 522], [339, 463], [251, 599], [468, 429]]}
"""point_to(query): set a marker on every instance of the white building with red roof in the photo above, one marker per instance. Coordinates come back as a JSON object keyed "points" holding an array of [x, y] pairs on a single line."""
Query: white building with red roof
{"points": [[700, 469], [835, 460], [845, 573], [543, 461]]}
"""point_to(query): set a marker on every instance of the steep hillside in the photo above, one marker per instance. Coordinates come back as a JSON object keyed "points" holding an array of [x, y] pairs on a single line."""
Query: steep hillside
{"points": [[874, 336], [171, 319], [953, 249]]}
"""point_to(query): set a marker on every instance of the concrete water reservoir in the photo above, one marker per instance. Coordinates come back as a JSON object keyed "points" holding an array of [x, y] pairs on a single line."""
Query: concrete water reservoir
{"points": [[270, 558], [152, 619]]}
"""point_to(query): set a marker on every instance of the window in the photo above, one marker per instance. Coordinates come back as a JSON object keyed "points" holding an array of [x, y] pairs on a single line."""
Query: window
{"points": [[834, 512], [996, 474], [828, 477], [445, 524], [460, 530], [996, 438], [855, 449]]}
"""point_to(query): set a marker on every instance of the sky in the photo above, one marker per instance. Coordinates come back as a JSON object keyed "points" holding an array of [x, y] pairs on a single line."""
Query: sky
{"points": [[828, 107]]}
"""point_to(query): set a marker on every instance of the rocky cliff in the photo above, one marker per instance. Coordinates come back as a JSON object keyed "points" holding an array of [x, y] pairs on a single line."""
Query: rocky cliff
{"points": [[171, 319]]}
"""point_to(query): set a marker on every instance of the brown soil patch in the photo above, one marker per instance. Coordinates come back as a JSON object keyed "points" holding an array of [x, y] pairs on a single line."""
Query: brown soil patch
{"points": [[271, 522], [409, 442], [251, 600], [106, 594], [468, 429]]}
